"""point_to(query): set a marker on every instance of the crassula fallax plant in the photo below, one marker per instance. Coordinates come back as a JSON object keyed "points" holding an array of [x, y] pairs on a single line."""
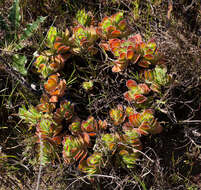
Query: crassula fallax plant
{"points": [[84, 18], [132, 51], [88, 143], [75, 148], [117, 115], [55, 87], [125, 142], [59, 50], [90, 126], [156, 78], [64, 112], [92, 164], [48, 126], [113, 26], [136, 92], [84, 38], [145, 122], [88, 85]]}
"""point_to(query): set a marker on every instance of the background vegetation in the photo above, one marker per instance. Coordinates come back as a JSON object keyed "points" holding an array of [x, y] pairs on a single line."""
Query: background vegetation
{"points": [[172, 159]]}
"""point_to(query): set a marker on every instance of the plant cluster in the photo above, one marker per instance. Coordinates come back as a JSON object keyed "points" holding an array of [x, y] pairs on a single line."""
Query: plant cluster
{"points": [[57, 123]]}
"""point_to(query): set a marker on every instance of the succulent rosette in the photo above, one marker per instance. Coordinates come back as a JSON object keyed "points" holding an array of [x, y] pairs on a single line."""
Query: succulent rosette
{"points": [[90, 126], [84, 39], [92, 164], [65, 111], [145, 122], [117, 115], [55, 87], [48, 129], [156, 78], [136, 92], [74, 148], [53, 59], [113, 26]]}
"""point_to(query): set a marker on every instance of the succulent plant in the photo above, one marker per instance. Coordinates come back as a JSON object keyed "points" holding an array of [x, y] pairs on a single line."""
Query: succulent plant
{"points": [[48, 129], [51, 37], [92, 164], [87, 85], [45, 106], [117, 115], [129, 111], [129, 158], [42, 64], [157, 78], [84, 18], [53, 59], [113, 26], [150, 54], [47, 151], [136, 92], [145, 122], [131, 137], [62, 44], [75, 127], [65, 111], [47, 64], [124, 145], [90, 126], [30, 116], [74, 148], [84, 39], [132, 51], [110, 141], [122, 140], [126, 51], [55, 87], [102, 125]]}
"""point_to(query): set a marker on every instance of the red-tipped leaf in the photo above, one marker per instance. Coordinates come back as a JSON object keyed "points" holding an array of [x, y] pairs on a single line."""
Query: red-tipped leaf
{"points": [[115, 33], [130, 54], [122, 25], [131, 83], [139, 98]]}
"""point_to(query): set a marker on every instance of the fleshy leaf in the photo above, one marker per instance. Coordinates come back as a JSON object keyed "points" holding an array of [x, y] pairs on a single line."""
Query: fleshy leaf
{"points": [[92, 164], [110, 141], [122, 25], [74, 149], [145, 122], [31, 116], [117, 115], [14, 16], [19, 62], [131, 83]]}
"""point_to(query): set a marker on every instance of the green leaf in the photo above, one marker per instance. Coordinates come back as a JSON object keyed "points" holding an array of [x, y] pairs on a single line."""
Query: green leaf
{"points": [[160, 75], [14, 16], [30, 116], [51, 36], [118, 17], [83, 18], [29, 31], [19, 62], [107, 23], [47, 152]]}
